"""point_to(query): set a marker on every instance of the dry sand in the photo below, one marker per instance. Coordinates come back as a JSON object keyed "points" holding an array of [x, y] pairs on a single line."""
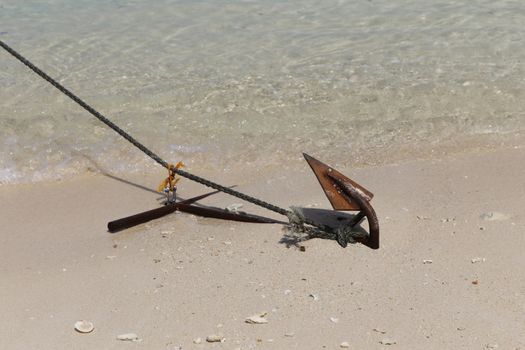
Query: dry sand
{"points": [[182, 277]]}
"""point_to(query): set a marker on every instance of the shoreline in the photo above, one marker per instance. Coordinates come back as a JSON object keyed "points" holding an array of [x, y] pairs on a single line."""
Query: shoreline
{"points": [[358, 159]]}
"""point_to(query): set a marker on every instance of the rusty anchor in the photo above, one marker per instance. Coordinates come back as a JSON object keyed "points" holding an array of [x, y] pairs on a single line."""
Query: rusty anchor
{"points": [[342, 192]]}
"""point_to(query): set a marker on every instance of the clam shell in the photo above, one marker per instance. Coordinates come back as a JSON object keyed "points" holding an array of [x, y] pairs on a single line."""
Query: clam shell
{"points": [[83, 326]]}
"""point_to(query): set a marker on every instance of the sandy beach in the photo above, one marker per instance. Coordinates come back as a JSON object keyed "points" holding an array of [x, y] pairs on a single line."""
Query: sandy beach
{"points": [[449, 274], [422, 103]]}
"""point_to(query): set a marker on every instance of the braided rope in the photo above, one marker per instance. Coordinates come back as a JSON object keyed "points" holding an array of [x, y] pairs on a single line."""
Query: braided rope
{"points": [[83, 104], [296, 220], [136, 143]]}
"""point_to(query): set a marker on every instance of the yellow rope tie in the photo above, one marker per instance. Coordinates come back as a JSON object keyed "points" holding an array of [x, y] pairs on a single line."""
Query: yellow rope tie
{"points": [[170, 183]]}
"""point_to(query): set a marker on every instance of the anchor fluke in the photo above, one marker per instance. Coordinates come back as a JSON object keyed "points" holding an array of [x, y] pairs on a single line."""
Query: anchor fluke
{"points": [[346, 194], [325, 174]]}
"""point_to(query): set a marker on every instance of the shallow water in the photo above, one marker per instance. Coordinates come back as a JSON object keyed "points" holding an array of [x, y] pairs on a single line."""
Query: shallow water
{"points": [[229, 84]]}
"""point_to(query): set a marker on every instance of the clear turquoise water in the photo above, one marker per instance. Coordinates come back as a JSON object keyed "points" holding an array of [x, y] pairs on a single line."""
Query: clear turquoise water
{"points": [[233, 84]]}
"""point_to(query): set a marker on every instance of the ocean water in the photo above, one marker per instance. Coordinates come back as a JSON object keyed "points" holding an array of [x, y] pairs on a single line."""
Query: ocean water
{"points": [[227, 85]]}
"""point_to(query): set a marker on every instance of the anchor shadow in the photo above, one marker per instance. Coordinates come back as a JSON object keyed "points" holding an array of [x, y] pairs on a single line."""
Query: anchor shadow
{"points": [[106, 173]]}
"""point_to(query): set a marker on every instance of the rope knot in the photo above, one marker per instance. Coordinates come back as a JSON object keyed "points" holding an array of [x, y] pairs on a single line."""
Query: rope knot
{"points": [[169, 185]]}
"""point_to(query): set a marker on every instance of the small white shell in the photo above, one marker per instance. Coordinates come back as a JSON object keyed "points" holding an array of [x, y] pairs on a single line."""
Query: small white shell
{"points": [[494, 216], [215, 338], [128, 337], [256, 319], [84, 326]]}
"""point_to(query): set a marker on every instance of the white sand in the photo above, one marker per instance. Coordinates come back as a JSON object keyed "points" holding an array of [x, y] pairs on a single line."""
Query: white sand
{"points": [[182, 277]]}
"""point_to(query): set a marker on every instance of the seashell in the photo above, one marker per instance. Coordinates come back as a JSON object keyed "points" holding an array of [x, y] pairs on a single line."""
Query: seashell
{"points": [[257, 319], [215, 338], [128, 337], [84, 326], [494, 216]]}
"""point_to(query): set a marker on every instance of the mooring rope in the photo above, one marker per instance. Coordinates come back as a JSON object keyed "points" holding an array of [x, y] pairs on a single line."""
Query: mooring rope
{"points": [[136, 143], [295, 220]]}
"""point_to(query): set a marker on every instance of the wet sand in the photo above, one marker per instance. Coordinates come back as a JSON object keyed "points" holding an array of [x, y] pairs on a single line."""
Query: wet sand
{"points": [[449, 274]]}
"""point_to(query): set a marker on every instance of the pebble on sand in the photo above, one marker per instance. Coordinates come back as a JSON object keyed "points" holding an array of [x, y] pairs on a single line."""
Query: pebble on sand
{"points": [[344, 345], [315, 297]]}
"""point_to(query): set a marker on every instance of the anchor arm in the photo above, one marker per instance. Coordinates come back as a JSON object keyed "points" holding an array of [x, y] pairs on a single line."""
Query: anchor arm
{"points": [[352, 194], [140, 218]]}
